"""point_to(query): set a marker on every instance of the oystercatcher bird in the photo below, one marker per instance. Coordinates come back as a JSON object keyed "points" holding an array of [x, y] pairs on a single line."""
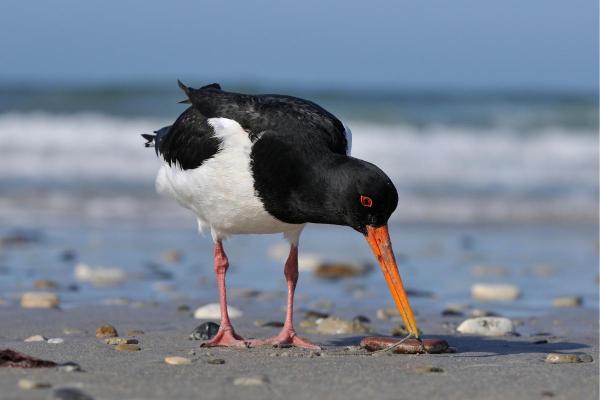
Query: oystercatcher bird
{"points": [[257, 164]]}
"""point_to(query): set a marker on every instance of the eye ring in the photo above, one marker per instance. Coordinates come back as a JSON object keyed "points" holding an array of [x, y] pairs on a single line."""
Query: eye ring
{"points": [[366, 201]]}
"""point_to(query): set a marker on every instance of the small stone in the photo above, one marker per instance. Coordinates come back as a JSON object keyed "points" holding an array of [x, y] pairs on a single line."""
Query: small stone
{"points": [[448, 312], [215, 361], [45, 284], [541, 341], [183, 308], [361, 319], [428, 368], [135, 332], [491, 292], [338, 270], [337, 326], [117, 301], [489, 270], [205, 331], [176, 360], [586, 358], [478, 312], [171, 256], [486, 326], [250, 381], [70, 394], [68, 255], [100, 276], [213, 311], [39, 300], [35, 338], [268, 324], [115, 341], [72, 331], [547, 393], [69, 367], [28, 384], [567, 301], [387, 313], [557, 358], [56, 340], [106, 331], [314, 315], [127, 347]]}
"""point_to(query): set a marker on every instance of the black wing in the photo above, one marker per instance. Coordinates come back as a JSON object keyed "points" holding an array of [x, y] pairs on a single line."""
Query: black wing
{"points": [[287, 115]]}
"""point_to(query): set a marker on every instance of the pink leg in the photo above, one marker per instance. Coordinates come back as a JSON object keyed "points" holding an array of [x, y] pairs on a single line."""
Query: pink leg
{"points": [[226, 336], [288, 335]]}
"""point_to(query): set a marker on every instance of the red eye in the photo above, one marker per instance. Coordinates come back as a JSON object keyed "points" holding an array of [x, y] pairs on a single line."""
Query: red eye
{"points": [[366, 201]]}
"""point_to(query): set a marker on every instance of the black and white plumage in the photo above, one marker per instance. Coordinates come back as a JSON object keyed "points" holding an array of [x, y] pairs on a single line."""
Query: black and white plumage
{"points": [[248, 164]]}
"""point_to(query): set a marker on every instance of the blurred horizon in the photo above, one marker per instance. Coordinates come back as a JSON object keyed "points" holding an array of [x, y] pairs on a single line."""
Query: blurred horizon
{"points": [[464, 45]]}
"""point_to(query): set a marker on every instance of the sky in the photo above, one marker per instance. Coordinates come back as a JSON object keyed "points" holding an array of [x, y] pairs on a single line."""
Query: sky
{"points": [[465, 44]]}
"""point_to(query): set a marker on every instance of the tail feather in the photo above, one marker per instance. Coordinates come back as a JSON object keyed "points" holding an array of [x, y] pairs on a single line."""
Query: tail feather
{"points": [[149, 138]]}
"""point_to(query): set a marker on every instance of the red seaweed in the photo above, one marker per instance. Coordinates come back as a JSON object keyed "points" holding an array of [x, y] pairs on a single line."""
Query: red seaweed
{"points": [[13, 359]]}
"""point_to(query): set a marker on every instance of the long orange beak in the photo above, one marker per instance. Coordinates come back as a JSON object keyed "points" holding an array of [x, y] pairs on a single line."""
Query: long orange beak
{"points": [[379, 240]]}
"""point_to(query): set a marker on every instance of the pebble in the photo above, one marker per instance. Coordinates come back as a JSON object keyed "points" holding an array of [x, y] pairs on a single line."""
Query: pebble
{"points": [[115, 341], [106, 331], [56, 340], [135, 332], [558, 358], [362, 319], [567, 301], [205, 331], [215, 361], [39, 300], [490, 292], [339, 270], [72, 331], [213, 311], [387, 313], [171, 256], [183, 308], [127, 347], [176, 360], [28, 384], [35, 338], [269, 324], [308, 262], [250, 381], [337, 326], [489, 270], [99, 276], [486, 326], [45, 284], [428, 368], [479, 312], [70, 367], [70, 394], [314, 315]]}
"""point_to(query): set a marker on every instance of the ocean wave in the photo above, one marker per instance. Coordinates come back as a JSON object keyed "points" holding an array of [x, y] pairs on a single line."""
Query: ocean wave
{"points": [[443, 173]]}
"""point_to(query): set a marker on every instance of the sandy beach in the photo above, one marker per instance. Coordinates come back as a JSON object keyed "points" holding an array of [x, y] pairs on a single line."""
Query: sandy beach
{"points": [[482, 368]]}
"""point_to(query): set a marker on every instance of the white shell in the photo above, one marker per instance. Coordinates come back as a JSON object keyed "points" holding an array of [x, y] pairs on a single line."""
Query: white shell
{"points": [[213, 311], [486, 326]]}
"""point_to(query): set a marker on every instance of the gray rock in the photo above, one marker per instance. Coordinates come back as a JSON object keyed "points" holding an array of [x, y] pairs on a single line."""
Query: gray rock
{"points": [[70, 394], [486, 326], [70, 367], [205, 331]]}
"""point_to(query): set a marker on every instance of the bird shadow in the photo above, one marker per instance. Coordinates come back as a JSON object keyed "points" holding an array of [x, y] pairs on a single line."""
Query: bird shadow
{"points": [[474, 346]]}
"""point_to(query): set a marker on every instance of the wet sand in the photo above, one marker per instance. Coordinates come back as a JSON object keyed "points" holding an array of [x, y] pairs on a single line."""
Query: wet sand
{"points": [[482, 368]]}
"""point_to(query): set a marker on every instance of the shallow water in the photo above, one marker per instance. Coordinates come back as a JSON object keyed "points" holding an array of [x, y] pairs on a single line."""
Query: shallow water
{"points": [[432, 258]]}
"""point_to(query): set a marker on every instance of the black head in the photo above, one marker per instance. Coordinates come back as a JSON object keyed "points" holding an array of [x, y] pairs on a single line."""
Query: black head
{"points": [[364, 195]]}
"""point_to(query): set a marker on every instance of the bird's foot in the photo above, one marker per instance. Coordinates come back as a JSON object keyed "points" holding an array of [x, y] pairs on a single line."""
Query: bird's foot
{"points": [[227, 338], [286, 338]]}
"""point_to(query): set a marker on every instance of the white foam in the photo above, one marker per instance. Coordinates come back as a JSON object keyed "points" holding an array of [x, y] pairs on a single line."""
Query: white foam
{"points": [[442, 173]]}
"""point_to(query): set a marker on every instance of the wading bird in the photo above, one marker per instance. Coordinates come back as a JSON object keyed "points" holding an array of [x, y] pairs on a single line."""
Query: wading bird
{"points": [[255, 164]]}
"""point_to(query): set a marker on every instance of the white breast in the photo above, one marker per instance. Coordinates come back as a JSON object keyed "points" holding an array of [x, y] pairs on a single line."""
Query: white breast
{"points": [[221, 191]]}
